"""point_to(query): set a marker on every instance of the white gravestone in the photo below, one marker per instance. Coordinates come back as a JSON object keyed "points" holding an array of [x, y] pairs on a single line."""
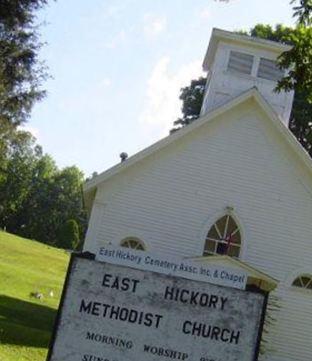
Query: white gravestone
{"points": [[115, 313]]}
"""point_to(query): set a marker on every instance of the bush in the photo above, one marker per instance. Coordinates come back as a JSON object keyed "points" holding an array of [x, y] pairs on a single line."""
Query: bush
{"points": [[69, 235]]}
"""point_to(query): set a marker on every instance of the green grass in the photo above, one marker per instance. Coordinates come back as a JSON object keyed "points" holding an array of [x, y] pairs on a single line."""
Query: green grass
{"points": [[25, 322]]}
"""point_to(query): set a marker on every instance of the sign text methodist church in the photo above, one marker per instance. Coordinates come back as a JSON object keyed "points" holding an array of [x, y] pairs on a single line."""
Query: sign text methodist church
{"points": [[116, 313]]}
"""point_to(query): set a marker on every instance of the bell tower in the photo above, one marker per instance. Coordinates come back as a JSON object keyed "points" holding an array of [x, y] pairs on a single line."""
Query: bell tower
{"points": [[236, 63]]}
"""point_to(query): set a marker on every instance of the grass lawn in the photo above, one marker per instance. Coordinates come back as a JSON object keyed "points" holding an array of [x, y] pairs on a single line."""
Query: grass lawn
{"points": [[26, 322]]}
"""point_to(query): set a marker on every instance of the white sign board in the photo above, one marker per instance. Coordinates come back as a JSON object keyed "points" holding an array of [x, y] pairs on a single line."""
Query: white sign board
{"points": [[115, 313], [173, 266]]}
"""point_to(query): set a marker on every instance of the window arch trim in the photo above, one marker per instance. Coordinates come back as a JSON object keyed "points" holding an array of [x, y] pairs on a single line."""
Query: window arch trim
{"points": [[129, 242], [214, 218], [303, 281], [291, 278]]}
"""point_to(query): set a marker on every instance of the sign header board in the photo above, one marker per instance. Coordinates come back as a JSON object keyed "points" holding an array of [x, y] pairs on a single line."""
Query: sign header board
{"points": [[114, 313], [173, 266]]}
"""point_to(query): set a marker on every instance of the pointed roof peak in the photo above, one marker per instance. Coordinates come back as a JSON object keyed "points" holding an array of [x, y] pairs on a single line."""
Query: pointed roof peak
{"points": [[251, 93]]}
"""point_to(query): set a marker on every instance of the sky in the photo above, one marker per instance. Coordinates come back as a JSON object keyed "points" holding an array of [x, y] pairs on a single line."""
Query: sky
{"points": [[117, 67]]}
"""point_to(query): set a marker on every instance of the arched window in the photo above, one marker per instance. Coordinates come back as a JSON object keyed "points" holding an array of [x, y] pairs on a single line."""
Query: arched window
{"points": [[133, 243], [303, 281], [223, 238]]}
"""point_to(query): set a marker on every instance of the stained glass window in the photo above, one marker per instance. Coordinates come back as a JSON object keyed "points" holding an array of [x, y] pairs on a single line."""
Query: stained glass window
{"points": [[223, 238]]}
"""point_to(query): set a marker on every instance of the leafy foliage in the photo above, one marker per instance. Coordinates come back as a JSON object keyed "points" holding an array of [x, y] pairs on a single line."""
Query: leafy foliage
{"points": [[21, 73], [298, 60], [303, 11], [192, 99], [279, 33], [36, 197], [15, 174], [69, 235]]}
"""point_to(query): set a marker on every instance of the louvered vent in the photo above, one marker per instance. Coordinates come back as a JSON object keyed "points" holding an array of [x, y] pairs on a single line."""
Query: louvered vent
{"points": [[269, 70], [240, 62]]}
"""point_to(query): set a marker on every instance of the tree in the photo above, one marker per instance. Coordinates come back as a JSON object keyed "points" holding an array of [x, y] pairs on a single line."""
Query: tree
{"points": [[21, 73], [299, 62], [192, 99], [15, 176], [38, 217], [36, 197], [54, 196], [303, 11], [301, 65], [69, 235]]}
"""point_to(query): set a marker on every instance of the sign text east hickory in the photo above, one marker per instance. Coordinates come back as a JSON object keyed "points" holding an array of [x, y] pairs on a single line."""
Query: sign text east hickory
{"points": [[115, 313]]}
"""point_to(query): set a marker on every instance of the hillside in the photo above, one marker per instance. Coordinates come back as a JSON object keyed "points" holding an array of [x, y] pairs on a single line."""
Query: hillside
{"points": [[26, 322]]}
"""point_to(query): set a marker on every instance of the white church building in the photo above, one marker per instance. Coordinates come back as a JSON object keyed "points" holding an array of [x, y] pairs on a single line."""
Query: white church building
{"points": [[234, 182]]}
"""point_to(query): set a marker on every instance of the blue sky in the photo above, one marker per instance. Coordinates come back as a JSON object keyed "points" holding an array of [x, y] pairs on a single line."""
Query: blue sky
{"points": [[118, 65]]}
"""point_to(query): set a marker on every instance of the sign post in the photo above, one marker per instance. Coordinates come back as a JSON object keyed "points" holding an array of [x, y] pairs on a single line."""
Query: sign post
{"points": [[110, 312]]}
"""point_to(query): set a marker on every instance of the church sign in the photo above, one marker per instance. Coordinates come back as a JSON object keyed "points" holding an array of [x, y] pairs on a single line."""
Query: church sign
{"points": [[173, 266], [110, 312]]}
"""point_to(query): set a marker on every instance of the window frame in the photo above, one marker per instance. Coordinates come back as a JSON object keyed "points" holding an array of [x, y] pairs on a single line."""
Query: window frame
{"points": [[235, 71], [223, 235], [139, 242], [261, 58], [307, 286], [255, 65]]}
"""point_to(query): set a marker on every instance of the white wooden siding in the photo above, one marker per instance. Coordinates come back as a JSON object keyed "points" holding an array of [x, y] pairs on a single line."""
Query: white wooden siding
{"points": [[170, 199], [291, 337]]}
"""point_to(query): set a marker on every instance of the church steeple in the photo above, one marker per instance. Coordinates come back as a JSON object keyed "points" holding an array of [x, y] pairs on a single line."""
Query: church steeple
{"points": [[236, 63]]}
